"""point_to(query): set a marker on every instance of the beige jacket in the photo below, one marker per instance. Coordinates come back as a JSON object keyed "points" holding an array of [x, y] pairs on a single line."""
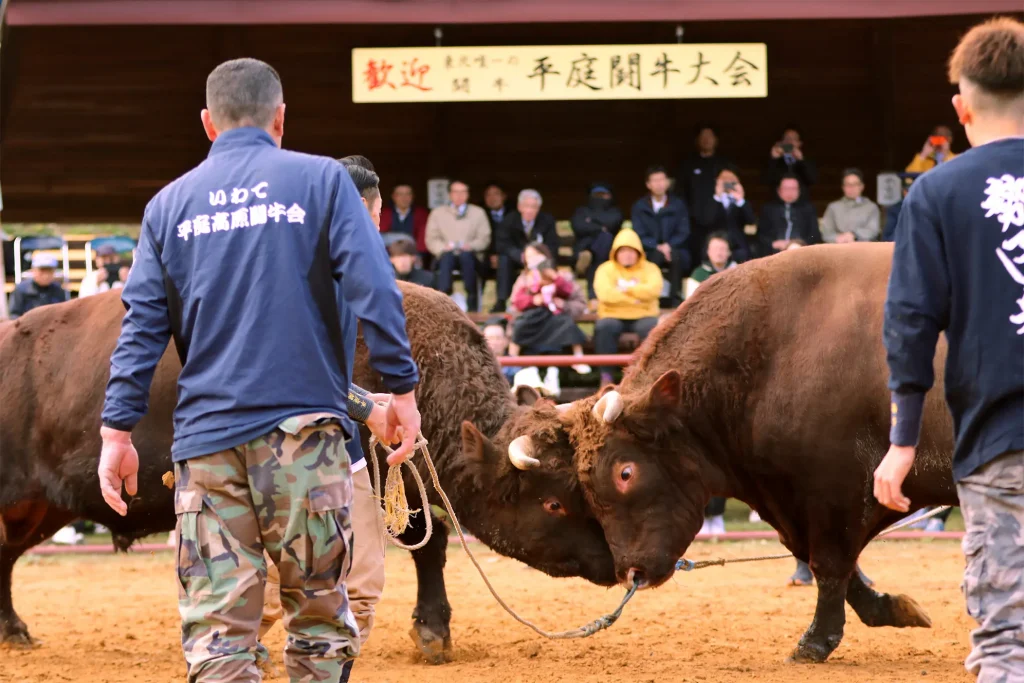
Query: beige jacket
{"points": [[472, 230], [848, 215]]}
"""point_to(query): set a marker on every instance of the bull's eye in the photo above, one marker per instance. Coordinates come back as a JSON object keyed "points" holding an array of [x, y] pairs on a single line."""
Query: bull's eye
{"points": [[626, 473], [553, 507]]}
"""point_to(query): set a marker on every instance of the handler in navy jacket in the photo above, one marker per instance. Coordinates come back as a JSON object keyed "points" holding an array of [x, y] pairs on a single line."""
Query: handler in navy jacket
{"points": [[240, 261], [957, 268]]}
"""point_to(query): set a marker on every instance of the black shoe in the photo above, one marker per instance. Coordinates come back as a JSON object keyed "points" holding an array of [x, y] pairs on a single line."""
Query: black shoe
{"points": [[498, 308], [346, 671], [472, 305]]}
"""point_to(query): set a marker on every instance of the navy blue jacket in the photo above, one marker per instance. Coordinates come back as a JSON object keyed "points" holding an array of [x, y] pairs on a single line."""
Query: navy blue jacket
{"points": [[892, 217], [241, 260], [956, 269], [671, 225]]}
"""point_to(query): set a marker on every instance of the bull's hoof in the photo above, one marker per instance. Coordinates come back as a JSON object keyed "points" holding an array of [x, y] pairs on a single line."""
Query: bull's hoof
{"points": [[437, 649], [18, 639], [811, 652], [907, 613]]}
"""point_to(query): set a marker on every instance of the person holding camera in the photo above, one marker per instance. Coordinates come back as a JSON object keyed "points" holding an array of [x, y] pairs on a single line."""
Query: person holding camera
{"points": [[787, 158], [936, 150], [729, 213], [110, 273]]}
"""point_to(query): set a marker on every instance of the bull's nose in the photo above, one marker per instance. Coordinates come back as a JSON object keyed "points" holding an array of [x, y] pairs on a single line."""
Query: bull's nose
{"points": [[636, 576]]}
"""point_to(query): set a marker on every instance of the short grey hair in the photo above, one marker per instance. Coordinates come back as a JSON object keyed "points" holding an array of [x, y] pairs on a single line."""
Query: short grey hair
{"points": [[530, 194], [243, 92]]}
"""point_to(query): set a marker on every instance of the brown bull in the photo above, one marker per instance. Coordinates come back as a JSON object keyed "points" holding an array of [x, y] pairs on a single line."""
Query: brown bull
{"points": [[768, 385], [54, 364]]}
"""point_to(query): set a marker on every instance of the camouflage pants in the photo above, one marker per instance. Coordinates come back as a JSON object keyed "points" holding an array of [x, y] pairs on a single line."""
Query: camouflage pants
{"points": [[288, 494], [992, 501]]}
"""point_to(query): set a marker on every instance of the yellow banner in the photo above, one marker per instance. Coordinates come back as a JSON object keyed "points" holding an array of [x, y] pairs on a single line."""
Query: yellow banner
{"points": [[559, 72]]}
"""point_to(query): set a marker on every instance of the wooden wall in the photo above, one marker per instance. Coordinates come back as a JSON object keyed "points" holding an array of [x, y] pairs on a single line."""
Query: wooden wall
{"points": [[94, 120]]}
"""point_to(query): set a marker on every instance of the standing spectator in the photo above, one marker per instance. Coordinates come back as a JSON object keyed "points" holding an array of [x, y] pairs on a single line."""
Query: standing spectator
{"points": [[110, 273], [40, 289], [458, 234], [787, 158], [854, 218], [496, 334], [717, 257], [696, 182], [728, 213], [402, 254], [628, 287], [594, 226], [787, 221], [936, 150], [892, 214], [662, 223], [403, 218], [528, 224]]}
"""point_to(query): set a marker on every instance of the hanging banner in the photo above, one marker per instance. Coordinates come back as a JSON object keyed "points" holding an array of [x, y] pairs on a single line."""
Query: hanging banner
{"points": [[559, 72]]}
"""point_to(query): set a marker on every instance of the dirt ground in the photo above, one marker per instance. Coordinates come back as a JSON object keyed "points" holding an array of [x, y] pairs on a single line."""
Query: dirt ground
{"points": [[107, 618]]}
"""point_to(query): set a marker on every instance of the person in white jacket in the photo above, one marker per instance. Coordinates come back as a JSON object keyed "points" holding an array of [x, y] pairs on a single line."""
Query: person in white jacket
{"points": [[108, 274]]}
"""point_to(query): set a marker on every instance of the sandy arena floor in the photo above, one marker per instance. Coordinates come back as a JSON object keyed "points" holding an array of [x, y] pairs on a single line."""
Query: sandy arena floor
{"points": [[106, 618]]}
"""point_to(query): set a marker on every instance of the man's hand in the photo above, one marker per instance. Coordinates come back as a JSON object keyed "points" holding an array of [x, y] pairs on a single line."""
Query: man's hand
{"points": [[404, 424], [776, 151], [119, 464], [928, 149], [666, 251], [100, 276], [377, 422], [845, 238], [890, 475], [798, 153], [780, 245], [738, 193]]}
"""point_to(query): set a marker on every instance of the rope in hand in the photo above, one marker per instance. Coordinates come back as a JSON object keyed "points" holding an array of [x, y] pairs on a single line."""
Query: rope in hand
{"points": [[395, 515]]}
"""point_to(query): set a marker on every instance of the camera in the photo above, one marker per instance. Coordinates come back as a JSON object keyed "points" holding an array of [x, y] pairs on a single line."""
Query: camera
{"points": [[937, 140], [113, 272], [729, 185], [787, 147]]}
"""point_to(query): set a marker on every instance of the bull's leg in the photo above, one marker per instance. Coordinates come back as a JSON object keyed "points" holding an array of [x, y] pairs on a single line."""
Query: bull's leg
{"points": [[432, 615], [883, 609], [26, 525], [826, 630]]}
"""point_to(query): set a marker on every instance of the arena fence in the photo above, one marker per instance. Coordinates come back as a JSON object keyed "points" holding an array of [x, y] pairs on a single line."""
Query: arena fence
{"points": [[618, 359]]}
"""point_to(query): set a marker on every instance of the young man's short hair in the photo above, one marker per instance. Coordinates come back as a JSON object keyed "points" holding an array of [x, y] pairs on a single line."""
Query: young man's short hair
{"points": [[716, 235], [651, 170], [402, 248], [991, 57], [366, 181]]}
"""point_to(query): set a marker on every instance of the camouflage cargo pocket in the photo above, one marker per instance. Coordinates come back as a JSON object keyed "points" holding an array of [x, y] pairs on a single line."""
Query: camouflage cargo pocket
{"points": [[973, 586], [192, 570], [328, 535]]}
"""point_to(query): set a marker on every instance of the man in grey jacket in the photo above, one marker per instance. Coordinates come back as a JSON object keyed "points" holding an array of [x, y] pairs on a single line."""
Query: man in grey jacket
{"points": [[854, 218]]}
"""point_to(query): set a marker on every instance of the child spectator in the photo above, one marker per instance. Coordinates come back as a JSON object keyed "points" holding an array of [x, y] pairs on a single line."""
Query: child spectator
{"points": [[403, 255], [717, 257]]}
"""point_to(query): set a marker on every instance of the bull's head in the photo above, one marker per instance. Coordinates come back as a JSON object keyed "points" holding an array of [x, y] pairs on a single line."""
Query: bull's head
{"points": [[640, 475], [535, 507]]}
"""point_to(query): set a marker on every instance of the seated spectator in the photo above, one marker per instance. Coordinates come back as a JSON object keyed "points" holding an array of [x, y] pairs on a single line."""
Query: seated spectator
{"points": [[787, 220], [854, 218], [892, 214], [457, 235], [109, 274], [717, 257], [787, 159], [528, 224], [496, 205], [594, 226], [401, 218], [403, 258], [628, 287], [548, 303], [663, 225], [696, 183], [495, 332], [40, 289], [729, 212], [934, 152]]}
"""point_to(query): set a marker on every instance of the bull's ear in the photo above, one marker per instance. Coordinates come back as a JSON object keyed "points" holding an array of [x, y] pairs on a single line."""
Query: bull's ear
{"points": [[526, 396], [668, 390], [475, 446]]}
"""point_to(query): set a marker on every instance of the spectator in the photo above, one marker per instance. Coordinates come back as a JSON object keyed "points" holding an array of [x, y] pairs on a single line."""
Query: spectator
{"points": [[717, 257], [457, 235], [892, 214], [548, 303], [854, 218], [787, 158], [495, 332], [628, 287], [696, 182], [497, 207], [401, 218], [663, 225], [38, 290], [110, 273], [787, 221], [729, 212], [934, 152], [528, 224], [594, 226], [403, 258]]}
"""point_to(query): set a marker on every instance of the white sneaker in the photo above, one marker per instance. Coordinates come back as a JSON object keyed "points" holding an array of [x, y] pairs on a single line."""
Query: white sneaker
{"points": [[754, 518], [100, 529], [935, 524], [551, 381], [582, 369], [705, 528], [716, 525], [67, 536]]}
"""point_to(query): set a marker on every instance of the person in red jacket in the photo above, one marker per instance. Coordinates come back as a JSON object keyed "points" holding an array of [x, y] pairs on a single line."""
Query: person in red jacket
{"points": [[401, 219]]}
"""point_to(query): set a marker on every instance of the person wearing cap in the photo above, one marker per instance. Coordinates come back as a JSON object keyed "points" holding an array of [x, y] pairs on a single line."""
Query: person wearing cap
{"points": [[595, 225], [854, 218], [109, 273], [38, 290]]}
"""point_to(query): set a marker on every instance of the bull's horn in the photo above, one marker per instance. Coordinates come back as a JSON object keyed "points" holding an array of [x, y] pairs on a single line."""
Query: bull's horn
{"points": [[519, 453], [608, 407], [563, 407]]}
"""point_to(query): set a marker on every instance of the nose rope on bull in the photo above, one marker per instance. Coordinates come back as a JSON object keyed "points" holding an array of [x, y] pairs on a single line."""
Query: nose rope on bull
{"points": [[396, 509]]}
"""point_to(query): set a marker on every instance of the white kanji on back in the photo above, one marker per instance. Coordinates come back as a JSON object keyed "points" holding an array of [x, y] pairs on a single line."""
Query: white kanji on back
{"points": [[296, 214], [258, 214], [1005, 198], [201, 224], [239, 195], [185, 229], [220, 221], [240, 218], [276, 211]]}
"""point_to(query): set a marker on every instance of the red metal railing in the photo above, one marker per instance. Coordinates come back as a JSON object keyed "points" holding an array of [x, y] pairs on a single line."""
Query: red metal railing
{"points": [[564, 361]]}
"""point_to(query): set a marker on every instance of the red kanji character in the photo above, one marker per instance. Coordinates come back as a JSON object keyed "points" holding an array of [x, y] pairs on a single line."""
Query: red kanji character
{"points": [[411, 72], [377, 74]]}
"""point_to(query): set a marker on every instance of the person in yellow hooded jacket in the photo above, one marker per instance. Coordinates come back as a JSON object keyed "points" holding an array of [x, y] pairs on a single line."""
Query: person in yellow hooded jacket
{"points": [[628, 287]]}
